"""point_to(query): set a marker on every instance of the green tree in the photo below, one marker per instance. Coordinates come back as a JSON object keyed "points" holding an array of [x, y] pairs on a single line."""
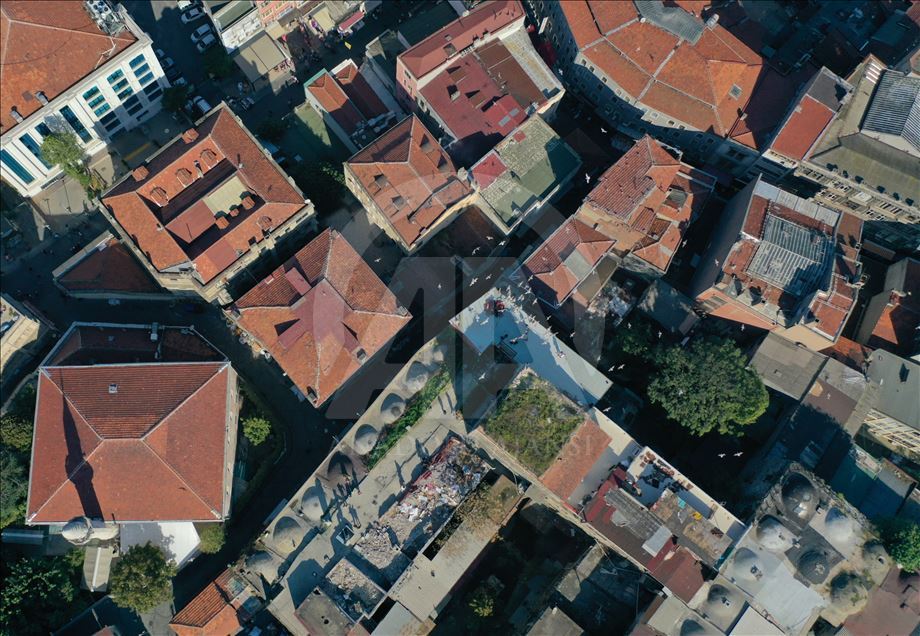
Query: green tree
{"points": [[37, 595], [482, 602], [257, 429], [322, 182], [216, 62], [142, 578], [16, 432], [902, 540], [212, 538], [708, 387], [175, 98], [271, 130], [62, 149], [634, 338], [14, 483]]}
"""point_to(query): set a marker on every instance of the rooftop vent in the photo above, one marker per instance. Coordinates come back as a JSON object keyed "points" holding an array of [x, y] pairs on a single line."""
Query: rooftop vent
{"points": [[113, 389], [223, 222], [248, 202], [184, 176], [190, 135], [140, 173], [159, 196], [15, 115], [42, 98], [735, 91]]}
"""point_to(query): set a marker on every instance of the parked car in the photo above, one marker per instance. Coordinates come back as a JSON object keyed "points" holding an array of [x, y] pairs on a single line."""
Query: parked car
{"points": [[198, 103], [206, 42], [184, 4], [166, 62], [201, 32], [173, 74], [191, 14]]}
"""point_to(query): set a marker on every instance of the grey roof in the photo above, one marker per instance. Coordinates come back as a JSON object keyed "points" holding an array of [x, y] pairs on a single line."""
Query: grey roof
{"points": [[786, 367], [669, 307], [895, 108], [555, 622], [674, 20], [898, 381], [384, 50], [829, 89], [792, 256]]}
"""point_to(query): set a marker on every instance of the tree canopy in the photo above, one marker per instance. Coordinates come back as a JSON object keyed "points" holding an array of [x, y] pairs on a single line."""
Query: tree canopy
{"points": [[16, 432], [322, 182], [142, 578], [212, 538], [257, 429], [62, 149], [175, 98], [14, 484], [708, 387], [37, 595], [216, 62], [902, 540]]}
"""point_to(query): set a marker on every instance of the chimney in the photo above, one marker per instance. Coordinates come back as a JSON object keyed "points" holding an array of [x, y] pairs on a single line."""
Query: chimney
{"points": [[15, 115], [140, 173], [248, 202], [41, 97], [159, 196], [222, 223], [235, 210], [190, 135]]}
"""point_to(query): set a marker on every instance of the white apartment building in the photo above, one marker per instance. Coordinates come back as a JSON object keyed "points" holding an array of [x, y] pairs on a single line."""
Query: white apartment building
{"points": [[85, 67]]}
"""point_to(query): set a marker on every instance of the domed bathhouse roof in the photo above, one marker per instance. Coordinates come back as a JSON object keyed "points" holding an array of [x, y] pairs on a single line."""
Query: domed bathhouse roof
{"points": [[392, 408], [722, 602], [416, 376], [847, 591], [438, 353], [78, 530], [773, 535], [839, 525], [287, 535], [813, 567], [800, 498], [311, 504], [691, 627], [365, 439], [263, 564], [747, 566]]}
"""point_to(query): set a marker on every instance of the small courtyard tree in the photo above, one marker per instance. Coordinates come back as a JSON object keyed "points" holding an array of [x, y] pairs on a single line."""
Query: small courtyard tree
{"points": [[175, 98], [257, 429], [902, 540], [216, 62], [62, 149], [708, 387], [142, 578], [211, 537]]}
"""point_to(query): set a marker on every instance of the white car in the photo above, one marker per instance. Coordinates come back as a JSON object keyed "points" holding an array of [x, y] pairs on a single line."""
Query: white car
{"points": [[201, 104], [191, 14], [166, 63], [201, 32], [206, 42]]}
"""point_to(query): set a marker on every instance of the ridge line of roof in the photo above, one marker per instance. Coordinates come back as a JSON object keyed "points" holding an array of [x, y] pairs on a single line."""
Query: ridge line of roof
{"points": [[133, 364], [39, 25], [183, 402], [179, 475], [68, 478]]}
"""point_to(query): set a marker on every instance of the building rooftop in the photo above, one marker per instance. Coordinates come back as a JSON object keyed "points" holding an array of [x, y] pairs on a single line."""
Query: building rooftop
{"points": [[524, 169], [48, 47], [205, 199], [894, 325], [436, 49], [659, 59], [786, 367], [216, 609], [892, 608], [427, 21], [645, 201], [108, 267], [809, 116], [898, 381], [794, 262], [326, 90], [878, 156], [554, 622], [134, 439], [410, 178], [322, 314], [558, 267]]}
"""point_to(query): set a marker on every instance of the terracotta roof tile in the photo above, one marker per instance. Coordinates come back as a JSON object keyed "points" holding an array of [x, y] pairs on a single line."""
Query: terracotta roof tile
{"points": [[581, 21], [576, 459], [110, 269], [130, 442], [333, 99], [803, 128], [318, 310], [212, 612], [618, 67], [360, 92], [405, 172], [48, 46], [184, 228]]}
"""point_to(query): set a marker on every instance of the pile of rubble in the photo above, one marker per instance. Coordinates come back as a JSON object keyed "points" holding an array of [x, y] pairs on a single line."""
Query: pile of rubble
{"points": [[354, 592]]}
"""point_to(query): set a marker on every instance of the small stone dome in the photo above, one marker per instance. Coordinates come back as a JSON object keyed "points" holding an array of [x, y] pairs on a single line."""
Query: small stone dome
{"points": [[287, 535], [77, 530], [773, 535], [311, 504], [747, 565], [264, 565], [847, 593], [439, 353], [839, 525], [874, 553], [813, 567], [392, 408], [800, 499], [721, 602], [416, 376], [365, 439], [340, 470], [691, 628]]}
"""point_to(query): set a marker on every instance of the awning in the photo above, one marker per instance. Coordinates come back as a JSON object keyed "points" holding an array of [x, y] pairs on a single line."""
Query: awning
{"points": [[258, 56], [351, 21]]}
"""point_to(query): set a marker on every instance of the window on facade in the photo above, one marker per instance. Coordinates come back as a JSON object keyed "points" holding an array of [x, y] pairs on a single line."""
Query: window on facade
{"points": [[133, 108], [30, 144], [75, 123], [113, 127], [119, 85], [114, 77], [88, 95], [128, 91], [153, 91], [146, 79], [140, 70], [137, 61], [100, 99], [15, 167], [43, 130], [102, 110], [108, 119]]}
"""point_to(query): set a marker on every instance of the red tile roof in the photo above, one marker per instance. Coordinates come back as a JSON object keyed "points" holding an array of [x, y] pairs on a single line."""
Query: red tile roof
{"points": [[803, 128], [111, 268], [212, 612], [892, 608], [317, 312], [334, 101], [576, 459], [48, 46], [645, 201], [897, 327], [551, 278], [359, 91], [437, 48], [409, 177], [130, 442], [171, 223], [690, 82]]}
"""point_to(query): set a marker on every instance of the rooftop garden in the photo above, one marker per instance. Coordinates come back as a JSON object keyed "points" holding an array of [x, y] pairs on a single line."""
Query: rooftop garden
{"points": [[532, 421]]}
